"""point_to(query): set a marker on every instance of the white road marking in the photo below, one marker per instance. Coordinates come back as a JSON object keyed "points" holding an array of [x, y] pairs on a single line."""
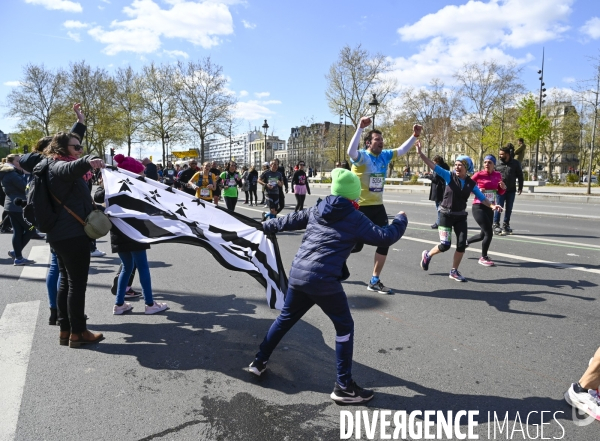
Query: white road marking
{"points": [[37, 271], [515, 257], [542, 239], [17, 326]]}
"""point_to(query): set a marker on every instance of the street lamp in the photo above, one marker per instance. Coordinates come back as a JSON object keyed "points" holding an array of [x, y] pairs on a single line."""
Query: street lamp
{"points": [[374, 105], [265, 127], [542, 96], [8, 142], [167, 144]]}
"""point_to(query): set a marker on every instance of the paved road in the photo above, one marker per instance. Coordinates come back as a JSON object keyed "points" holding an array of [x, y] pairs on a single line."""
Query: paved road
{"points": [[511, 339]]}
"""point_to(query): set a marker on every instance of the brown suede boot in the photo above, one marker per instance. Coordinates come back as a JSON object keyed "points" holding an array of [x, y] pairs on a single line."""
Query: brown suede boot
{"points": [[84, 338], [64, 338]]}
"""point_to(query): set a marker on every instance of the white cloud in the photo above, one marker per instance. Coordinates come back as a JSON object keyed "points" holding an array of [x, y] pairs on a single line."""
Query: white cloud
{"points": [[74, 36], [59, 5], [75, 24], [477, 31], [250, 110], [12, 83], [591, 28], [248, 25], [269, 102], [243, 93], [262, 94], [569, 80], [199, 23], [176, 53]]}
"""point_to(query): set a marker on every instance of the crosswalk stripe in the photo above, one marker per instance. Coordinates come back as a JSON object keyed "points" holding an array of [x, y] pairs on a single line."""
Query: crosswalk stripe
{"points": [[17, 326], [37, 271]]}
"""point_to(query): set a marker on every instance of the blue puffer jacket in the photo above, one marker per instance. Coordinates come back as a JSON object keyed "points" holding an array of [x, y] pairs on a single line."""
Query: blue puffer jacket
{"points": [[332, 229]]}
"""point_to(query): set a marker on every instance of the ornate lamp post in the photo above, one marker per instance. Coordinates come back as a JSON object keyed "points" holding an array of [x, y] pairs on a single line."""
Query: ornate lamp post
{"points": [[374, 105], [542, 96], [265, 127], [167, 145]]}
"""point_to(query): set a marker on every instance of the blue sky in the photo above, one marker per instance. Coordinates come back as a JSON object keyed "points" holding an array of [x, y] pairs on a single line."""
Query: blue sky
{"points": [[276, 53]]}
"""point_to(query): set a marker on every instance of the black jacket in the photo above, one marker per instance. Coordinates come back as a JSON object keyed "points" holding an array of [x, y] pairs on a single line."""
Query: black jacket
{"points": [[511, 172], [67, 184], [151, 171], [119, 243], [13, 183], [438, 185]]}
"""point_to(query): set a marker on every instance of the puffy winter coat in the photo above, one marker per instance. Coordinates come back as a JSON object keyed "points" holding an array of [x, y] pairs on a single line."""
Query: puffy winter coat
{"points": [[333, 227], [13, 183]]}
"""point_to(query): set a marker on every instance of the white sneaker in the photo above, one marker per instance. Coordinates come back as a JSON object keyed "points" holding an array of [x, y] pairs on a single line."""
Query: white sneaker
{"points": [[97, 253], [118, 310], [157, 307], [585, 401]]}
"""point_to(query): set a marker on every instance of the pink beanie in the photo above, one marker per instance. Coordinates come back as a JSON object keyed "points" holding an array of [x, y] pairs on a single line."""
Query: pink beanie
{"points": [[128, 163]]}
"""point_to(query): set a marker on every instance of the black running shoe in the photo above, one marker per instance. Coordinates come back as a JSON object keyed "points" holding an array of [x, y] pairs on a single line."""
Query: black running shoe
{"points": [[353, 394], [257, 367], [378, 287], [113, 288]]}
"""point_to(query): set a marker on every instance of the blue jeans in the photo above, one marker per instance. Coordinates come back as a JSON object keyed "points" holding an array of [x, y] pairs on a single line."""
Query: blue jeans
{"points": [[437, 208], [509, 198], [140, 260], [335, 306], [53, 280]]}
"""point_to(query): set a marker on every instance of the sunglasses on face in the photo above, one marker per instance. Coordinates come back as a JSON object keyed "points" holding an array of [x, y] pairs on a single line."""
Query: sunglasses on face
{"points": [[77, 147]]}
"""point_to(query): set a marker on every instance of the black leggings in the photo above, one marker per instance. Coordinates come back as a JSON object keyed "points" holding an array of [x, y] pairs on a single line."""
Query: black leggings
{"points": [[252, 191], [300, 202], [74, 264], [459, 224], [21, 233], [231, 202], [485, 218]]}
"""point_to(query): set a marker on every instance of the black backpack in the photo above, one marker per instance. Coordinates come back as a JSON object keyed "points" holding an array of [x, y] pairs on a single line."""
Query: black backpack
{"points": [[41, 210]]}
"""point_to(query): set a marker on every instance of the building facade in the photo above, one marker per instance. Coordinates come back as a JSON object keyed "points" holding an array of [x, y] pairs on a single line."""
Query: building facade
{"points": [[237, 148], [275, 148]]}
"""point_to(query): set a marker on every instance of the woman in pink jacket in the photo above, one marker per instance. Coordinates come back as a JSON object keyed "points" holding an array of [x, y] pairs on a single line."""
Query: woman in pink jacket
{"points": [[489, 182]]}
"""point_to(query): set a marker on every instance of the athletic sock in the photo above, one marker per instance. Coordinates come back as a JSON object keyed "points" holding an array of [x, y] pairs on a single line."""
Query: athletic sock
{"points": [[578, 389], [374, 280]]}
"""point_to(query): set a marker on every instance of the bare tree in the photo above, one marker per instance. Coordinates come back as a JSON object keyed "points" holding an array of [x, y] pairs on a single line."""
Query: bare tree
{"points": [[433, 108], [160, 105], [127, 100], [93, 88], [353, 78], [484, 88], [589, 92], [206, 104], [38, 99]]}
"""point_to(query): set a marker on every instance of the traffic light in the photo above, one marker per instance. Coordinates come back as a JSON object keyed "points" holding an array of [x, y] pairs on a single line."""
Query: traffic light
{"points": [[25, 149], [112, 152]]}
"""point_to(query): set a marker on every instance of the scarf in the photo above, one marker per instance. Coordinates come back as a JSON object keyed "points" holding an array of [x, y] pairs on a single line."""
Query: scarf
{"points": [[86, 177]]}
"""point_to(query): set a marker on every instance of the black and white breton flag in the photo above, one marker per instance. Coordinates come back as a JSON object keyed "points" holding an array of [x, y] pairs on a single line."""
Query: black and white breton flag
{"points": [[150, 212]]}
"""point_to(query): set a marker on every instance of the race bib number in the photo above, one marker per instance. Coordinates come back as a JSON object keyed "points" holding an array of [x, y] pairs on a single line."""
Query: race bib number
{"points": [[273, 181], [301, 180], [490, 195], [376, 181], [171, 172], [231, 183], [204, 192], [445, 235]]}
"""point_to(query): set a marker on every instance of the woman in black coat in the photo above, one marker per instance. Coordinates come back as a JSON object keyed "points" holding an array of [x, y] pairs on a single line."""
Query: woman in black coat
{"points": [[68, 174], [438, 186]]}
